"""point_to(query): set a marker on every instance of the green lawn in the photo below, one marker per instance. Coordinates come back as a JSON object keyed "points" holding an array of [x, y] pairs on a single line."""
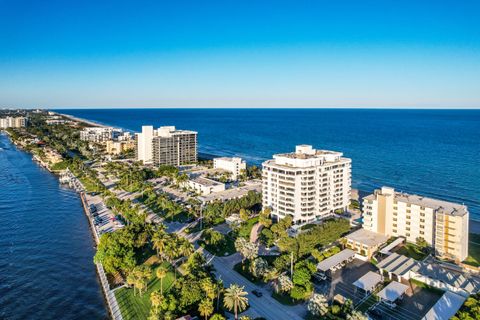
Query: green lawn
{"points": [[413, 251], [136, 306], [473, 258], [426, 286], [224, 249], [246, 227]]}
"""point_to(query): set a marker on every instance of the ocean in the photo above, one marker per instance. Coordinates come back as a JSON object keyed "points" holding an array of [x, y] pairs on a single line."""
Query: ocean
{"points": [[46, 260], [434, 153]]}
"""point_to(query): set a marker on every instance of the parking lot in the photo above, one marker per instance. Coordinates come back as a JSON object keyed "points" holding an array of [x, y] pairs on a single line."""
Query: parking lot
{"points": [[341, 281], [413, 306]]}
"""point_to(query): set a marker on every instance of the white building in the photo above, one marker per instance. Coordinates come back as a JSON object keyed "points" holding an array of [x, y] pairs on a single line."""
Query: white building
{"points": [[13, 122], [166, 146], [143, 141], [204, 186], [307, 184], [443, 225], [233, 165], [99, 134]]}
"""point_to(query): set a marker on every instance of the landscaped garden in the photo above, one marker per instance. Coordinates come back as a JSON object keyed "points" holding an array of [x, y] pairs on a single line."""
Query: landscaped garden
{"points": [[136, 305], [413, 251], [217, 243]]}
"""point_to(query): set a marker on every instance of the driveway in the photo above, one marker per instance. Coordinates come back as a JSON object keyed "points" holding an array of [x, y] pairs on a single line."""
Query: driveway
{"points": [[265, 306]]}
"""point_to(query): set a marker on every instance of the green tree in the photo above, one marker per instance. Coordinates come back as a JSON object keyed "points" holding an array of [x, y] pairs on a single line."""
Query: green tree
{"points": [[156, 300], [161, 274], [205, 308], [235, 299]]}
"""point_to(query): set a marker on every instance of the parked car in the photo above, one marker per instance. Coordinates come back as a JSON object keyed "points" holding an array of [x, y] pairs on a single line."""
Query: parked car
{"points": [[93, 208]]}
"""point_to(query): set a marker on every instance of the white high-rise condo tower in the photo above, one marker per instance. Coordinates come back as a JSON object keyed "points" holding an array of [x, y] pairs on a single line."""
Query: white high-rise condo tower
{"points": [[143, 145], [307, 184]]}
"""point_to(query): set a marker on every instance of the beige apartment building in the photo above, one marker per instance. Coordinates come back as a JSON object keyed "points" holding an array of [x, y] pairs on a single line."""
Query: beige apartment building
{"points": [[307, 184], [117, 147], [444, 225]]}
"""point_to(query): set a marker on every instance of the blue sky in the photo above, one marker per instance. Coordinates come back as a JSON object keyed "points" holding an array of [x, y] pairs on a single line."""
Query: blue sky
{"points": [[423, 54]]}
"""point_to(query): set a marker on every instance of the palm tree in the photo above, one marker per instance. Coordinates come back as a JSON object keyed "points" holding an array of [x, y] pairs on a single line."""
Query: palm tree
{"points": [[156, 299], [186, 248], [161, 273], [160, 242], [235, 299], [205, 308]]}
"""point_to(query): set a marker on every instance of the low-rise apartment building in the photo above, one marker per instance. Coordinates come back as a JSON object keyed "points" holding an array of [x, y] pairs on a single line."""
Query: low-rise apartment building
{"points": [[204, 186], [443, 225], [233, 165], [99, 134], [117, 147], [307, 184]]}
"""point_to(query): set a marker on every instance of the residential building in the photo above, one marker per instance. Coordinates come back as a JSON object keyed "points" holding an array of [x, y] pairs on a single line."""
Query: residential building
{"points": [[307, 184], [13, 122], [143, 144], [166, 146], [204, 186], [443, 225], [174, 147], [233, 165], [99, 134], [365, 243], [117, 147]]}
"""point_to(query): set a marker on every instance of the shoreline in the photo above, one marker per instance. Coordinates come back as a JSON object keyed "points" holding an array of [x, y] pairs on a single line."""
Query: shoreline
{"points": [[474, 225], [103, 281], [86, 121]]}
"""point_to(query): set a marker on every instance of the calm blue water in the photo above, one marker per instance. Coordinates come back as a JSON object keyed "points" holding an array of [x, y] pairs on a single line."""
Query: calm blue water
{"points": [[46, 249], [431, 152]]}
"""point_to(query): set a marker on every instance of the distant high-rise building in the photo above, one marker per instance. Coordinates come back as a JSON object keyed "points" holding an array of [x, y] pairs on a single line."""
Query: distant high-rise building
{"points": [[174, 147], [442, 224], [143, 145], [307, 184], [166, 146], [13, 122]]}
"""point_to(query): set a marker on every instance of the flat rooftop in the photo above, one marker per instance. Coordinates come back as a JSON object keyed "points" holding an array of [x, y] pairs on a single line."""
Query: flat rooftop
{"points": [[234, 193], [442, 206], [206, 182], [317, 154], [335, 260], [367, 237], [446, 307], [393, 291], [368, 281]]}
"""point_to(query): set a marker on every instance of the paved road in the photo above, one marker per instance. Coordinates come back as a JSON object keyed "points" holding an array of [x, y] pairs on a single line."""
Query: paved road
{"points": [[265, 306]]}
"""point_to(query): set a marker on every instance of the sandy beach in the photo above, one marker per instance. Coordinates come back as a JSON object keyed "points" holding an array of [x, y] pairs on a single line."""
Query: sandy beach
{"points": [[89, 122]]}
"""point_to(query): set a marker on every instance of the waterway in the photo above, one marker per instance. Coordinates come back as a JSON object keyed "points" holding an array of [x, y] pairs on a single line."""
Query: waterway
{"points": [[46, 248]]}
